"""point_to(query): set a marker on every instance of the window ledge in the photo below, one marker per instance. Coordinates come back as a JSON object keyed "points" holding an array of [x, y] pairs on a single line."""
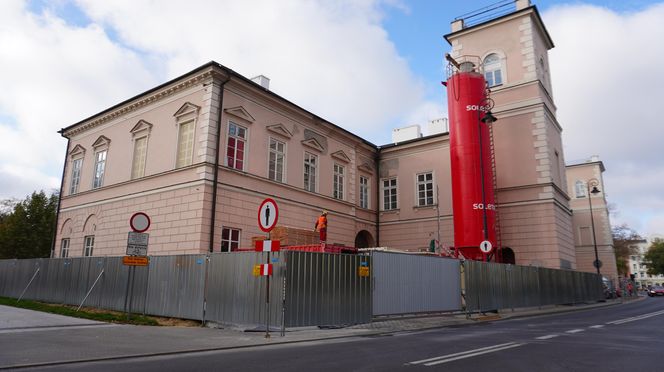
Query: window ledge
{"points": [[390, 211]]}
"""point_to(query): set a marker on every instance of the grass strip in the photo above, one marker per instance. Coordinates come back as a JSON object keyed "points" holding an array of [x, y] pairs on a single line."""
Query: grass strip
{"points": [[85, 313]]}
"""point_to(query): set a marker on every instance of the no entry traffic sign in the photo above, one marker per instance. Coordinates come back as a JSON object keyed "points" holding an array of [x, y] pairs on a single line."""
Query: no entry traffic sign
{"points": [[139, 222], [268, 214]]}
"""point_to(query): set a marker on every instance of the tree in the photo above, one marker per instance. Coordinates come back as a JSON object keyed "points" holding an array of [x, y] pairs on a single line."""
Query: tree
{"points": [[26, 231], [654, 259], [624, 239]]}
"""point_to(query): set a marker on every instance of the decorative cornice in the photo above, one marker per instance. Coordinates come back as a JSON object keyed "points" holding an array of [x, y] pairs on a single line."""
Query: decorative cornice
{"points": [[280, 129], [101, 141], [341, 155], [240, 112], [312, 143], [142, 102]]}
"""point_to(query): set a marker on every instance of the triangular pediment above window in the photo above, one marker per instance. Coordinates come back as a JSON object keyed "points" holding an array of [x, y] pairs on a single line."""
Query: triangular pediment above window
{"points": [[141, 126], [312, 143], [77, 150], [365, 167], [241, 113], [280, 129], [101, 141], [340, 155], [188, 109]]}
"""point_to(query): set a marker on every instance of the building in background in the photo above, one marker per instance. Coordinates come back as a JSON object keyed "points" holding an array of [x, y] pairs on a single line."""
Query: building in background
{"points": [[200, 152], [586, 188], [639, 269]]}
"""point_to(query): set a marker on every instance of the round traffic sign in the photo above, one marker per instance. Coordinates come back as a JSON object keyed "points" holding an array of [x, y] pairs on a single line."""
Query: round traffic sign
{"points": [[486, 246], [268, 214], [139, 222]]}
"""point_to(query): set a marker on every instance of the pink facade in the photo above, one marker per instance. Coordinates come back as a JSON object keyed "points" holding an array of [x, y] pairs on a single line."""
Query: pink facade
{"points": [[162, 153]]}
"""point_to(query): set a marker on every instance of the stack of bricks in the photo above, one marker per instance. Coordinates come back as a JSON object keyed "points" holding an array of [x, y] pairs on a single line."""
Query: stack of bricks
{"points": [[290, 236]]}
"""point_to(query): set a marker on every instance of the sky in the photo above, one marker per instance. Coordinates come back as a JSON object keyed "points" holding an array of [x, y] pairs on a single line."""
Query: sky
{"points": [[368, 66]]}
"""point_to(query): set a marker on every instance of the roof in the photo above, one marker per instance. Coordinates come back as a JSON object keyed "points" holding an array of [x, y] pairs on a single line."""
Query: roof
{"points": [[599, 162], [531, 8], [195, 71]]}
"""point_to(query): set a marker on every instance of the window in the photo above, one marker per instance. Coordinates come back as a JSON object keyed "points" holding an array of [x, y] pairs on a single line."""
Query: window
{"points": [[493, 70], [88, 245], [580, 189], [276, 161], [237, 136], [100, 166], [338, 190], [185, 144], [140, 152], [230, 239], [390, 194], [634, 267], [310, 161], [364, 192], [75, 175], [64, 248], [425, 189]]}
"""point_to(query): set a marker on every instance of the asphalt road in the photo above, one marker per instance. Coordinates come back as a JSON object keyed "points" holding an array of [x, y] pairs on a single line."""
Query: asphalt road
{"points": [[615, 338]]}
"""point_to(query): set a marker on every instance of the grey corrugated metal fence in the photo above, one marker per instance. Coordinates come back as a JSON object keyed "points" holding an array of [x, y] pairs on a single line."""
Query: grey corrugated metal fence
{"points": [[326, 289], [405, 283], [491, 286], [320, 288]]}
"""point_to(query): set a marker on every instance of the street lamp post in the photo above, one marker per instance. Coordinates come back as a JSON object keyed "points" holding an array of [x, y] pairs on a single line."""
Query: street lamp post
{"points": [[594, 191]]}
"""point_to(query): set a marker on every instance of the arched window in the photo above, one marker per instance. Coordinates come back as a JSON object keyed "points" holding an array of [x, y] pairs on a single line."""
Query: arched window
{"points": [[493, 70], [580, 189]]}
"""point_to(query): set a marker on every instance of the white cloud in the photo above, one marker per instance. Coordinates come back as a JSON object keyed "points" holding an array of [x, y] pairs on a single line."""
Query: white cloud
{"points": [[607, 81], [53, 75], [332, 58]]}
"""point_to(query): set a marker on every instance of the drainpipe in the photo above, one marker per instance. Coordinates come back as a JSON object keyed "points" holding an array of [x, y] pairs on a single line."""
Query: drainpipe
{"points": [[61, 192], [377, 160], [216, 159]]}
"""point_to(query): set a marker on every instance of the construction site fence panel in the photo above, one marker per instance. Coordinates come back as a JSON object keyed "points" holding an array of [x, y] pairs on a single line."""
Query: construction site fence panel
{"points": [[406, 283], [492, 286]]}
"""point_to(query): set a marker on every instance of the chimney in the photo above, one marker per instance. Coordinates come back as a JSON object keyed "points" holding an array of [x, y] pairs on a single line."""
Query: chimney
{"points": [[262, 80]]}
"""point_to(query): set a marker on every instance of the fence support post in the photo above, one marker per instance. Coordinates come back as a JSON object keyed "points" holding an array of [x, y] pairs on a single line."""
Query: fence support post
{"points": [[90, 291], [26, 287]]}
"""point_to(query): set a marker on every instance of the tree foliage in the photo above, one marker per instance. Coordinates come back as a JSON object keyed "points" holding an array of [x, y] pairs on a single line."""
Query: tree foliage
{"points": [[623, 243], [654, 258], [26, 227]]}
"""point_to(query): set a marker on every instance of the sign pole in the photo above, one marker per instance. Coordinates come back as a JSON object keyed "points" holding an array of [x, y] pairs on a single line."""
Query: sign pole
{"points": [[267, 295]]}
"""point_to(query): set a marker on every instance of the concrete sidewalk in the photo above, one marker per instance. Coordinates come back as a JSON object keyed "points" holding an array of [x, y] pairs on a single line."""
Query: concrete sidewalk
{"points": [[47, 339]]}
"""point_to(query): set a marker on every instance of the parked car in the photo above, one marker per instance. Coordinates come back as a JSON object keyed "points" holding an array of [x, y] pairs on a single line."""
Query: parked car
{"points": [[656, 290]]}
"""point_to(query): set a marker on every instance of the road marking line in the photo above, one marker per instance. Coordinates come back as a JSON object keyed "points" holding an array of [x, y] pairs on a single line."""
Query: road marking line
{"points": [[464, 354], [635, 318], [597, 326], [471, 355], [574, 331], [546, 337]]}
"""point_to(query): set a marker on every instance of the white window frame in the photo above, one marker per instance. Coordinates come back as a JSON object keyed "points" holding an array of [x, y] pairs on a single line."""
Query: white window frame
{"points": [[339, 180], [64, 247], [270, 152], [88, 245], [230, 239], [490, 70], [425, 183], [364, 192], [236, 138], [75, 180], [187, 158], [580, 189], [306, 170], [390, 189], [135, 171], [98, 175]]}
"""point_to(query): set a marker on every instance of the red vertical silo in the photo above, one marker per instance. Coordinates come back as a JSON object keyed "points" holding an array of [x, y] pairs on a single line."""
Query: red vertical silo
{"points": [[473, 201]]}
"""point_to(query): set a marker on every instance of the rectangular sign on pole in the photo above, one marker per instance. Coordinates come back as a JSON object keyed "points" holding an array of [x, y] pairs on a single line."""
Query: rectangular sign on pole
{"points": [[135, 261], [137, 244], [262, 270], [268, 246]]}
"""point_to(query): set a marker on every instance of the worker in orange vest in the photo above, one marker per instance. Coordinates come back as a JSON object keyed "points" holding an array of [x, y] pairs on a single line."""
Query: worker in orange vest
{"points": [[321, 226]]}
